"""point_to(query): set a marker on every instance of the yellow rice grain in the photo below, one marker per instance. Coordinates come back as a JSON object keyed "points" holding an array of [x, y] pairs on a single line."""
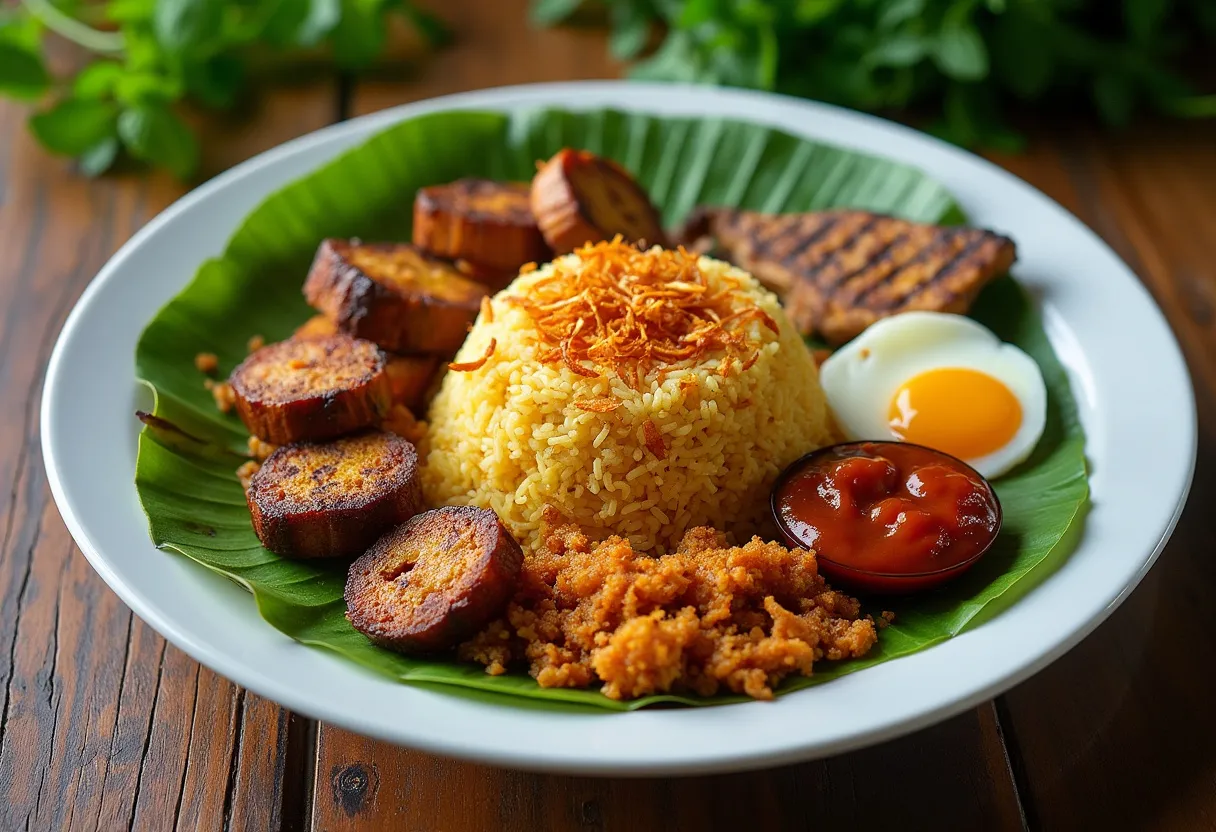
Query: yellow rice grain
{"points": [[509, 437]]}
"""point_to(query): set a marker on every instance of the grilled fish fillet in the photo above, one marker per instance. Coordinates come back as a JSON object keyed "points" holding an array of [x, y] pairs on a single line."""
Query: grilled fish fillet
{"points": [[840, 271]]}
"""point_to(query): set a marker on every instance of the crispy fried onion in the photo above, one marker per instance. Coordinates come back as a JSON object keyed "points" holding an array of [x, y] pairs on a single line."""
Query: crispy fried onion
{"points": [[654, 439], [604, 404], [476, 364], [627, 311]]}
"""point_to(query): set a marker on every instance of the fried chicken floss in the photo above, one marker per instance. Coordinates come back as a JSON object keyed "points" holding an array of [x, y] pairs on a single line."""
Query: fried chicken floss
{"points": [[707, 616]]}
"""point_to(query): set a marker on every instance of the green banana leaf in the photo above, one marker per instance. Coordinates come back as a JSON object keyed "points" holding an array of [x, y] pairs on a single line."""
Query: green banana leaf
{"points": [[189, 451]]}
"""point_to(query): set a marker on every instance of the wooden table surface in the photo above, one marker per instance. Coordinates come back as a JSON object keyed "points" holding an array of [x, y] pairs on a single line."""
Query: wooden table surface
{"points": [[105, 726]]}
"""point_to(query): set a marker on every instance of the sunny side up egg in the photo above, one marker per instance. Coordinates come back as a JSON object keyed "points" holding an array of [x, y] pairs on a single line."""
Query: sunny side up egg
{"points": [[942, 381]]}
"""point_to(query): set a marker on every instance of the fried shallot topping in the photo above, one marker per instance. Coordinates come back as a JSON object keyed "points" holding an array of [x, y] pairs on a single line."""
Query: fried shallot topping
{"points": [[603, 404], [654, 439], [477, 363], [629, 311]]}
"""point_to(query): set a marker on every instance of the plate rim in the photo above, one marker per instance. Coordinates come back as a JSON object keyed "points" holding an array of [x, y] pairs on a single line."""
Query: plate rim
{"points": [[563, 94]]}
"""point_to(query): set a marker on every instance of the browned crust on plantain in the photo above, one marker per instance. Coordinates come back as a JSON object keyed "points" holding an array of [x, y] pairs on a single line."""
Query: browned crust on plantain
{"points": [[317, 325], [393, 294], [311, 388], [578, 197], [495, 280], [840, 271], [333, 499], [488, 224], [434, 581], [410, 377]]}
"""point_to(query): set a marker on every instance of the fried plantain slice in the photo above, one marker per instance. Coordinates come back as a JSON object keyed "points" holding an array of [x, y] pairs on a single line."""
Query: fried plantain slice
{"points": [[314, 326], [434, 581], [333, 499], [393, 294], [495, 280], [311, 388], [409, 377], [488, 224], [579, 197]]}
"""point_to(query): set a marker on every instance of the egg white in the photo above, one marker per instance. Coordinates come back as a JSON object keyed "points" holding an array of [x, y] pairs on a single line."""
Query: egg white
{"points": [[861, 378]]}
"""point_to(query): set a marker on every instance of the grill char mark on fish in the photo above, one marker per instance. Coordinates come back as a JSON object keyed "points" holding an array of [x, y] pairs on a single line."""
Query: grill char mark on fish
{"points": [[953, 266], [880, 297], [840, 271], [824, 228]]}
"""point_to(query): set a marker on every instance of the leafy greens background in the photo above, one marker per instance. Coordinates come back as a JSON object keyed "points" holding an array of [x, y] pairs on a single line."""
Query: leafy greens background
{"points": [[967, 61], [144, 56], [196, 506]]}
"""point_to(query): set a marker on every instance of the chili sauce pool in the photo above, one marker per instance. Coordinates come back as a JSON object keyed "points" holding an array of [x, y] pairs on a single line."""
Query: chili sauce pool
{"points": [[887, 517]]}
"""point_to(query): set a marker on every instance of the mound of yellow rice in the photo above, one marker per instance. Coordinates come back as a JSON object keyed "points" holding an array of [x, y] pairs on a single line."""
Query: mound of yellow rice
{"points": [[514, 436]]}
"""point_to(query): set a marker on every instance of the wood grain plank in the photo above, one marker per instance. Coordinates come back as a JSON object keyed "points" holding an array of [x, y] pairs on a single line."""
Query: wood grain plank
{"points": [[942, 778], [1120, 733], [102, 725], [495, 46], [1041, 164], [266, 787], [1152, 194]]}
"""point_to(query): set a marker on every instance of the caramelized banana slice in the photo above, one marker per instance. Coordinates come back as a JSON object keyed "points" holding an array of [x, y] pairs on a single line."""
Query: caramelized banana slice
{"points": [[495, 280], [333, 499], [578, 198], [314, 326], [434, 581], [311, 388], [489, 224], [393, 294], [409, 377]]}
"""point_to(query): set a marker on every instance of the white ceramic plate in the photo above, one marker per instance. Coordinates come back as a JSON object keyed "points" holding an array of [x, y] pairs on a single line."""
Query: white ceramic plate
{"points": [[1130, 381]]}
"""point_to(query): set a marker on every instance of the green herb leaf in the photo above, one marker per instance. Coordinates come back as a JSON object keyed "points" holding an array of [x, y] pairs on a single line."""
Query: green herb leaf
{"points": [[302, 22], [22, 74], [22, 30], [901, 49], [433, 30], [217, 81], [698, 12], [323, 16], [549, 12], [130, 11], [1021, 58], [809, 12], [359, 36], [97, 160], [630, 31], [139, 87], [676, 60], [1115, 99], [899, 11], [144, 52], [1144, 17], [960, 52], [188, 25], [75, 125], [153, 133], [1191, 106], [196, 506], [97, 80]]}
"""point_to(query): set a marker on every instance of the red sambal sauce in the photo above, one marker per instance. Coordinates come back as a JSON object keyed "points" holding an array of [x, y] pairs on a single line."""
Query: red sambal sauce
{"points": [[887, 508]]}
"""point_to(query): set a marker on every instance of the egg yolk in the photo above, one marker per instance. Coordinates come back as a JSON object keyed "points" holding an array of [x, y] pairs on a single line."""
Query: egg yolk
{"points": [[965, 413]]}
